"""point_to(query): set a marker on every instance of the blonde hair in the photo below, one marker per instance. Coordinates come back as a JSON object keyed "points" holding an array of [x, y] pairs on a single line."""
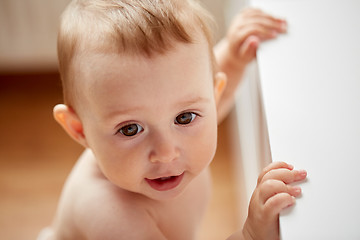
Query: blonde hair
{"points": [[126, 26]]}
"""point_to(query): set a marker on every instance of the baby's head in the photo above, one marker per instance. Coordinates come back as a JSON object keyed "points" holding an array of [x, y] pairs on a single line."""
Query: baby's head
{"points": [[125, 27], [140, 88]]}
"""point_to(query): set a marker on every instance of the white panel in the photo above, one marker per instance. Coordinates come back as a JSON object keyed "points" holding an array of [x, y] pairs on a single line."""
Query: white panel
{"points": [[311, 89]]}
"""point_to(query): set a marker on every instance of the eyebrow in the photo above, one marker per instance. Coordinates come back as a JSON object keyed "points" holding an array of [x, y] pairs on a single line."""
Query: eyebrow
{"points": [[192, 101], [123, 111], [188, 102]]}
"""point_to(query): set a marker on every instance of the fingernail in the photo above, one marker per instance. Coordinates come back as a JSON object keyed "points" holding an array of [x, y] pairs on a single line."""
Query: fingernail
{"points": [[283, 26], [302, 173], [293, 201], [297, 190]]}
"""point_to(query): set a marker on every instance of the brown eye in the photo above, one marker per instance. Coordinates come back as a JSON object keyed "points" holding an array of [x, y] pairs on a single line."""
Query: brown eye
{"points": [[185, 118], [130, 130]]}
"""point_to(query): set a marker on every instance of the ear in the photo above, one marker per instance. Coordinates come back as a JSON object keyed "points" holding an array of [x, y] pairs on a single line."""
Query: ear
{"points": [[71, 123], [219, 86]]}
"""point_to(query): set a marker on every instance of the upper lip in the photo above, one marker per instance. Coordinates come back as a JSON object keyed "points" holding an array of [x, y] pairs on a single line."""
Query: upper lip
{"points": [[166, 175]]}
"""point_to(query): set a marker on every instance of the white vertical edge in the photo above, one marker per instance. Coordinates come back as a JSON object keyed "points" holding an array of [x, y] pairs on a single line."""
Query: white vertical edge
{"points": [[252, 130]]}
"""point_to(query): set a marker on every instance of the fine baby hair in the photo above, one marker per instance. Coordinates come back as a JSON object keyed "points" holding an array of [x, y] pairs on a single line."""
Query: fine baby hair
{"points": [[126, 27]]}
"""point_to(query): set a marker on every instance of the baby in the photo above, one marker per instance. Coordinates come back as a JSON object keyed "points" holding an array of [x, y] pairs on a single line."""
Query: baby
{"points": [[143, 94]]}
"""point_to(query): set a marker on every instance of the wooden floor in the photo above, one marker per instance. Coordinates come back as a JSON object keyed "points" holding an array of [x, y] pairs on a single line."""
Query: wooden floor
{"points": [[36, 156]]}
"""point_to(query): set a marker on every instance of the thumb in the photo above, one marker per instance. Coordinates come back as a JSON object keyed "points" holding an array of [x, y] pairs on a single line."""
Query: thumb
{"points": [[248, 49]]}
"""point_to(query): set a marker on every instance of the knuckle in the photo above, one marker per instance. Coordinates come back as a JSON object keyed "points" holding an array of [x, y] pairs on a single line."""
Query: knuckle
{"points": [[276, 170], [271, 184], [279, 201], [274, 186], [281, 164]]}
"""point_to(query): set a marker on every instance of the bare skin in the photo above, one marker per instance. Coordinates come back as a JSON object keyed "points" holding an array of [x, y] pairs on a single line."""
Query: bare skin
{"points": [[108, 195], [139, 141], [123, 210]]}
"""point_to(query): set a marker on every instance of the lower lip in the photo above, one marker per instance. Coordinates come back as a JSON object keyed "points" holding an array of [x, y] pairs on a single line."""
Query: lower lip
{"points": [[165, 185]]}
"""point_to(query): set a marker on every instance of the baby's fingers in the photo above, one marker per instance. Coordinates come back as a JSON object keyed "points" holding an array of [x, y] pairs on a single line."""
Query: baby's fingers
{"points": [[275, 204], [248, 49], [272, 187], [272, 166], [256, 16], [285, 175]]}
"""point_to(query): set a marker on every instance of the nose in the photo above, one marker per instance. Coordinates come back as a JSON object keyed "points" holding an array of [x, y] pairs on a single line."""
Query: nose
{"points": [[164, 149]]}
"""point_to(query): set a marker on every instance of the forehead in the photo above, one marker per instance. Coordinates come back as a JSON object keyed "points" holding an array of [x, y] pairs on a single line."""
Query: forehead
{"points": [[105, 78], [180, 53]]}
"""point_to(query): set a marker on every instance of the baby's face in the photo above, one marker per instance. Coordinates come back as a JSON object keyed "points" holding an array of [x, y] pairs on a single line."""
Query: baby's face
{"points": [[151, 122]]}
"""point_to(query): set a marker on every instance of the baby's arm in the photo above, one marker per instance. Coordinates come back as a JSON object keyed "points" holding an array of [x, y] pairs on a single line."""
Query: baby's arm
{"points": [[248, 29], [272, 194]]}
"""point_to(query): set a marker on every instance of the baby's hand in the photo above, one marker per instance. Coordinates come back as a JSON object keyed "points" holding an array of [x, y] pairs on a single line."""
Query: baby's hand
{"points": [[272, 194], [248, 29]]}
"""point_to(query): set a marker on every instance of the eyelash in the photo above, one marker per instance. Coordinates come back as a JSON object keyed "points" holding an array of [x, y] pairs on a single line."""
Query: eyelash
{"points": [[139, 128], [127, 126], [193, 117]]}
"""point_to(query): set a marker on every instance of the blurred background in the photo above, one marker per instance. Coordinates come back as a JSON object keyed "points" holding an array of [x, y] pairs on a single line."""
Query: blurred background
{"points": [[36, 155]]}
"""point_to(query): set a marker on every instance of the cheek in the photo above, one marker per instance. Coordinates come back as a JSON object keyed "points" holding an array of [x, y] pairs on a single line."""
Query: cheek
{"points": [[121, 164], [211, 142], [124, 170], [204, 147]]}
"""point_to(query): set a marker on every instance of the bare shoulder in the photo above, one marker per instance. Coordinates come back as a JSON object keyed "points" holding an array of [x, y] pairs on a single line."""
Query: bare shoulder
{"points": [[93, 208], [111, 214]]}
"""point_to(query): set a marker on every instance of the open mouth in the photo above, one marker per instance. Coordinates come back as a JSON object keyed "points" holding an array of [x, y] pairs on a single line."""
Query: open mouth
{"points": [[165, 183]]}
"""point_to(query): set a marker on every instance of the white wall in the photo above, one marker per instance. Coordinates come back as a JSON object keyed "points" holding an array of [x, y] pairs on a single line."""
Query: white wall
{"points": [[28, 30]]}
